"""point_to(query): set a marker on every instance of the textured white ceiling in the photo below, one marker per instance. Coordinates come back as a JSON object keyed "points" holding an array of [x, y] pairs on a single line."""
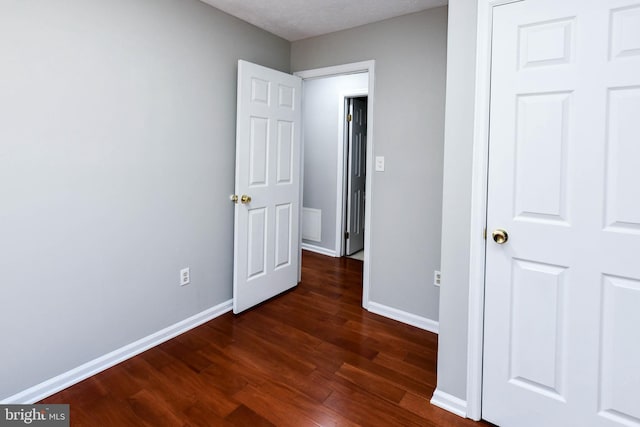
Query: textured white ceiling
{"points": [[299, 19]]}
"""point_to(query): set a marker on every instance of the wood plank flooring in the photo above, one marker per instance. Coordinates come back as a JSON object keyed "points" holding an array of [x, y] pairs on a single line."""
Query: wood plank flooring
{"points": [[310, 357]]}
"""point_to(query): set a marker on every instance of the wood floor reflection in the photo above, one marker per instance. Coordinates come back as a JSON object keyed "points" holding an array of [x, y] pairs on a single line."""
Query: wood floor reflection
{"points": [[309, 357]]}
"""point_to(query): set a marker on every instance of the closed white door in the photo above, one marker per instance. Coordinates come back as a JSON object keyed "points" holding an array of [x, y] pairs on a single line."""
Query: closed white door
{"points": [[562, 313], [357, 174], [266, 239]]}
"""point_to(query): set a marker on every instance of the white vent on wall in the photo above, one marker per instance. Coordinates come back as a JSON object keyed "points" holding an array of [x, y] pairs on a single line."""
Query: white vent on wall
{"points": [[312, 224]]}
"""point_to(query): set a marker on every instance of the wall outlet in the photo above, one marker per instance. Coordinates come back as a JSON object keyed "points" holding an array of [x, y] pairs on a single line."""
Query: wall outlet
{"points": [[437, 276], [185, 276], [379, 163]]}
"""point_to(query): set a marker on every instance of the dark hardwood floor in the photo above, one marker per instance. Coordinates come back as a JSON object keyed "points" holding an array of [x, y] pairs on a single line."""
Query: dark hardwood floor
{"points": [[310, 357]]}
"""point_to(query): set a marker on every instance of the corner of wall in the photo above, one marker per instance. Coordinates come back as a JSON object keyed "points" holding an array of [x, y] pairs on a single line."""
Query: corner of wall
{"points": [[95, 366], [403, 316], [449, 403]]}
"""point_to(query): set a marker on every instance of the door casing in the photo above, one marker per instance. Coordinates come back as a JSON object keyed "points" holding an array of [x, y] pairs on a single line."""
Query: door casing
{"points": [[480, 169], [352, 68]]}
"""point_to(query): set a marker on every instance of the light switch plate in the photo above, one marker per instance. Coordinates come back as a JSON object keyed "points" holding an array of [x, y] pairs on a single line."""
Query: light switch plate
{"points": [[379, 163]]}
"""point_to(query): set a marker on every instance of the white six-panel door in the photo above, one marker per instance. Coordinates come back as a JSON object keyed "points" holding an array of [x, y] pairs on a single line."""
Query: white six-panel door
{"points": [[562, 301], [266, 230]]}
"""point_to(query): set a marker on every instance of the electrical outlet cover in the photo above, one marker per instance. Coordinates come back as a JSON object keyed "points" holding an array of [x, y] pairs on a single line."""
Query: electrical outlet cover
{"points": [[185, 276]]}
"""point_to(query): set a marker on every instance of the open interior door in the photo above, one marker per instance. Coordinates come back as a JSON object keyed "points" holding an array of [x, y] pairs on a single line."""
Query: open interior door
{"points": [[267, 197], [357, 174]]}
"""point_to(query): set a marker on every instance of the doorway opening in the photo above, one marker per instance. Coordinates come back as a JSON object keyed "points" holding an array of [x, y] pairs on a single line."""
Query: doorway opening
{"points": [[325, 164]]}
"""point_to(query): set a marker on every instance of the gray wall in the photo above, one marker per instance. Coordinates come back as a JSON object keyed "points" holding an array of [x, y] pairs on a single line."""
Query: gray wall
{"points": [[320, 107], [410, 54], [454, 294], [117, 153]]}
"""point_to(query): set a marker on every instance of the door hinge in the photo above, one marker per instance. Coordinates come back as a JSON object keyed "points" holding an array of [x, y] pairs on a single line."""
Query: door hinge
{"points": [[484, 234], [349, 117], [346, 234]]}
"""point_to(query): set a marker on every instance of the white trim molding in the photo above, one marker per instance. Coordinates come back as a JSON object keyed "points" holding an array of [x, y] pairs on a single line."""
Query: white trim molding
{"points": [[337, 70], [84, 371], [404, 317], [475, 325], [354, 68], [319, 250], [449, 403]]}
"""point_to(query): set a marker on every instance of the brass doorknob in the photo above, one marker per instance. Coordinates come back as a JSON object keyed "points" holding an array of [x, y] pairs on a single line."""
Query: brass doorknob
{"points": [[500, 236], [244, 199], [234, 198]]}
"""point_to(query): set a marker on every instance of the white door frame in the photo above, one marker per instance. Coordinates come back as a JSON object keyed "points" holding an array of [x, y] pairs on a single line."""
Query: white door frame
{"points": [[341, 201], [475, 326], [354, 68]]}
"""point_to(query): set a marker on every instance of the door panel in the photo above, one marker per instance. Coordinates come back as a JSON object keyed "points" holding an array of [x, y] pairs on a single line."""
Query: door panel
{"points": [[257, 238], [284, 217], [537, 327], [625, 31], [541, 139], [562, 298], [285, 152], [623, 150], [259, 138], [619, 393], [266, 252]]}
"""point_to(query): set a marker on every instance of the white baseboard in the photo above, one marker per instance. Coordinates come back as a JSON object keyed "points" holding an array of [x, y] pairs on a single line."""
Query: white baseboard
{"points": [[449, 403], [403, 316], [318, 250], [66, 379]]}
